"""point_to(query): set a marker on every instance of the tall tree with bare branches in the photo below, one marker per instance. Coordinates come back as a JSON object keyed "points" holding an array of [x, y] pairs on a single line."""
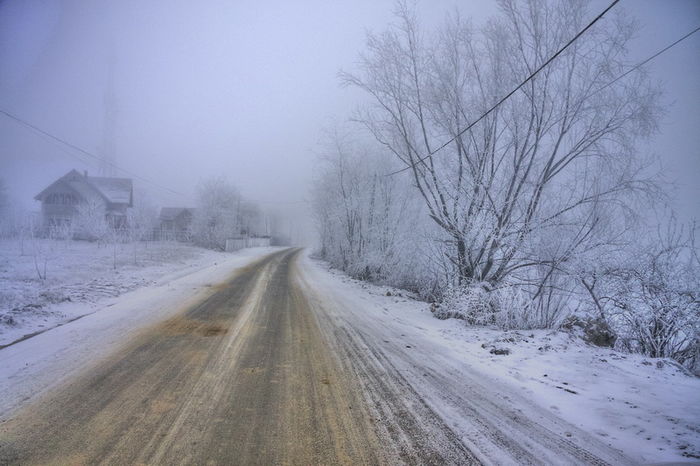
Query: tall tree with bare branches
{"points": [[519, 193]]}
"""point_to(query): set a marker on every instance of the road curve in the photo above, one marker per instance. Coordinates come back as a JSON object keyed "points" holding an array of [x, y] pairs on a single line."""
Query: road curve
{"points": [[244, 377]]}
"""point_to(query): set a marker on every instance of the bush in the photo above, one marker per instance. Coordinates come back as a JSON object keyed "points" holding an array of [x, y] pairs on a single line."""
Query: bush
{"points": [[507, 307], [651, 300]]}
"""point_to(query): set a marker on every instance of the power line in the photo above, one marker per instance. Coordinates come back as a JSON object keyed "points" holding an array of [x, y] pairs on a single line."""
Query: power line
{"points": [[484, 115], [89, 154], [281, 202], [640, 64]]}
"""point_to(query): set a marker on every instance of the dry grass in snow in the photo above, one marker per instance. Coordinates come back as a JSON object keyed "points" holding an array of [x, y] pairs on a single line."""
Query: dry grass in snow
{"points": [[78, 276]]}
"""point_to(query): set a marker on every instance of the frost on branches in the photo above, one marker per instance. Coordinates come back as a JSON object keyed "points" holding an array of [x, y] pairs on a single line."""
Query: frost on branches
{"points": [[517, 210]]}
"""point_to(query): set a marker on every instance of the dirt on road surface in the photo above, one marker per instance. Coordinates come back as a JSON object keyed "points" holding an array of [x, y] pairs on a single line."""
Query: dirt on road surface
{"points": [[248, 376]]}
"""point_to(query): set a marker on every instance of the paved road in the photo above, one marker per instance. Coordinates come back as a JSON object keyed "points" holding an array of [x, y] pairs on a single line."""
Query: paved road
{"points": [[248, 376]]}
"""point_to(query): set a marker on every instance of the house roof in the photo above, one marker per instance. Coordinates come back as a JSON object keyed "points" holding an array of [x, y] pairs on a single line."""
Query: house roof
{"points": [[171, 213], [85, 190], [113, 190]]}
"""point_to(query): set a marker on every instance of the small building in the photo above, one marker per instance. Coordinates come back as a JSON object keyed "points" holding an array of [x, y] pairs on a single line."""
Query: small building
{"points": [[175, 223], [61, 200], [241, 242]]}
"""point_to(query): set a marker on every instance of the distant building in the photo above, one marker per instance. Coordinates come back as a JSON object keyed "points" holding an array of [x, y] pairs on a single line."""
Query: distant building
{"points": [[61, 200], [175, 223], [241, 242]]}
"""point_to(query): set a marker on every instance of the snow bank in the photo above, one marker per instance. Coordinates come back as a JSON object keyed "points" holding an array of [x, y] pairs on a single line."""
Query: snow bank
{"points": [[34, 365], [80, 278], [649, 409]]}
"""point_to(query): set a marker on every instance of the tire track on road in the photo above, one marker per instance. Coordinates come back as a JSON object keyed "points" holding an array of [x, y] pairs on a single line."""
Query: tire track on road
{"points": [[244, 377]]}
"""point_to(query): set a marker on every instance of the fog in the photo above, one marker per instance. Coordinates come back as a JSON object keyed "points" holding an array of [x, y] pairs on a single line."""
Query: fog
{"points": [[175, 92]]}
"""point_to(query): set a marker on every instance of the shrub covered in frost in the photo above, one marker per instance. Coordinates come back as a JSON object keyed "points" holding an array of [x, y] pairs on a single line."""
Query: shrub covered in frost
{"points": [[506, 307]]}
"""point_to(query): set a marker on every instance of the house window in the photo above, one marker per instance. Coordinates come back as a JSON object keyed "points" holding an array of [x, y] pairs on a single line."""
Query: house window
{"points": [[62, 199], [58, 222]]}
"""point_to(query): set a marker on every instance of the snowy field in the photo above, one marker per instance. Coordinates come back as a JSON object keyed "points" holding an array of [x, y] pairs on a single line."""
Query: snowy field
{"points": [[36, 365], [649, 409], [81, 277]]}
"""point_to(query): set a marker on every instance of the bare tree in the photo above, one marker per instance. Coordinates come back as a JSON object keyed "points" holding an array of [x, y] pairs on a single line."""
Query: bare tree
{"points": [[541, 164], [365, 220], [649, 294], [217, 216], [142, 219], [40, 250], [251, 219], [91, 223]]}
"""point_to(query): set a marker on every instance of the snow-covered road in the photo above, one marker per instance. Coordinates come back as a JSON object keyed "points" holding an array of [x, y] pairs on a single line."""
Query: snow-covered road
{"points": [[289, 362], [554, 399], [31, 367], [399, 362]]}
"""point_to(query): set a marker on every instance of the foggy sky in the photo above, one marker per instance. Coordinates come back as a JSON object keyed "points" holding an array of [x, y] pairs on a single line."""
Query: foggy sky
{"points": [[243, 88]]}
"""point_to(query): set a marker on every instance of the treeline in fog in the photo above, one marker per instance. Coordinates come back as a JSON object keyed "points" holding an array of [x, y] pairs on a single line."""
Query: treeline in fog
{"points": [[539, 211]]}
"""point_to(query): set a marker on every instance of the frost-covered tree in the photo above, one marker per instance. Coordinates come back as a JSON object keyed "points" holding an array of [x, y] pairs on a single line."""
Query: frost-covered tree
{"points": [[90, 222], [526, 192], [367, 222], [517, 196], [142, 218], [217, 216], [649, 293], [251, 219]]}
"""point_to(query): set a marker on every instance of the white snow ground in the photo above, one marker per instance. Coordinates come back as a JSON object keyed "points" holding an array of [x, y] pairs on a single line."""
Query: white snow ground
{"points": [[648, 409], [80, 278], [35, 365]]}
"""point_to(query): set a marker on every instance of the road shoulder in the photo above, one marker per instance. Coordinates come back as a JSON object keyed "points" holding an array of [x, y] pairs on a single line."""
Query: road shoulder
{"points": [[495, 418], [36, 365]]}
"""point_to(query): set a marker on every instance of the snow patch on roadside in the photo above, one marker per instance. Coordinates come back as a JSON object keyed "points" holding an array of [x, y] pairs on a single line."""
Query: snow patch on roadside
{"points": [[647, 408], [35, 365], [81, 279]]}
